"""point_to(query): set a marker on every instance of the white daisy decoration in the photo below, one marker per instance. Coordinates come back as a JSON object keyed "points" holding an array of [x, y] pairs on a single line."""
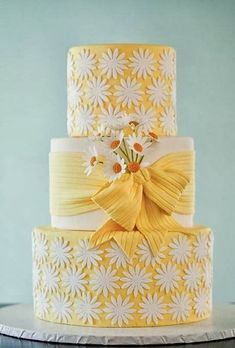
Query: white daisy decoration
{"points": [[74, 94], [167, 277], [180, 307], [200, 247], [145, 254], [73, 280], [87, 256], [201, 302], [41, 304], [111, 118], [36, 275], [87, 308], [138, 144], [60, 251], [117, 255], [167, 120], [98, 91], [104, 280], [192, 276], [152, 308], [136, 280], [161, 255], [207, 274], [114, 167], [61, 306], [85, 63], [128, 92], [144, 119], [50, 278], [85, 120], [70, 122], [210, 246], [157, 92], [167, 63], [91, 160], [119, 311], [173, 94], [70, 66], [142, 62], [41, 247], [180, 249], [113, 142], [112, 63]]}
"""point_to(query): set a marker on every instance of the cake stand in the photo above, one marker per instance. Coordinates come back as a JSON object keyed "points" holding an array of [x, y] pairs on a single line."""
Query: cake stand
{"points": [[19, 321]]}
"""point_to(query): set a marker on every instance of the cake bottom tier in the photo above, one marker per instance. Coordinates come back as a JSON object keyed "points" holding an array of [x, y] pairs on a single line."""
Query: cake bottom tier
{"points": [[79, 285]]}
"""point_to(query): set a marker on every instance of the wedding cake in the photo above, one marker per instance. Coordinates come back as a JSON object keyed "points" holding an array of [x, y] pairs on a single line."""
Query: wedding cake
{"points": [[122, 249]]}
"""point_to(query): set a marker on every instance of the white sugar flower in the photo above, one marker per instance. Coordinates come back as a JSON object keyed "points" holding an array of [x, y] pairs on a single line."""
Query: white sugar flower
{"points": [[128, 92], [119, 311], [145, 253], [167, 277], [200, 247], [207, 274], [36, 275], [161, 255], [167, 63], [85, 120], [192, 276], [98, 91], [74, 94], [112, 63], [111, 118], [117, 255], [180, 307], [152, 308], [85, 63], [173, 94], [61, 307], [136, 280], [114, 167], [91, 160], [73, 280], [201, 300], [87, 308], [50, 278], [167, 121], [60, 251], [87, 256], [70, 66], [142, 62], [138, 144], [157, 92], [42, 304], [104, 281], [180, 249], [144, 119], [70, 122], [41, 247], [113, 142]]}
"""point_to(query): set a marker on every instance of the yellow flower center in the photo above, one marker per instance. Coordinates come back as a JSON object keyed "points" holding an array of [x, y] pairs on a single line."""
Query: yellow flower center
{"points": [[114, 144], [133, 123], [133, 167], [92, 161], [117, 168], [138, 147]]}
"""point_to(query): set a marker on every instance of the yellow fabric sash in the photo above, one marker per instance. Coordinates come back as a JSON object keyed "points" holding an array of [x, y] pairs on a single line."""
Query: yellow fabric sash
{"points": [[138, 204]]}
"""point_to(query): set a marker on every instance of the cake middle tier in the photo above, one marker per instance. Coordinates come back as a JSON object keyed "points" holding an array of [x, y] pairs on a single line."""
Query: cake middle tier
{"points": [[71, 191]]}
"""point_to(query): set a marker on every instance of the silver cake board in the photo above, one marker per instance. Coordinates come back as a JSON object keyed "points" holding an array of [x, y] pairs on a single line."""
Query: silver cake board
{"points": [[19, 321]]}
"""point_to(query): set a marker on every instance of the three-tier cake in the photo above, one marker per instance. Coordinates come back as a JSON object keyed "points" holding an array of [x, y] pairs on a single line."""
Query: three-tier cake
{"points": [[122, 249]]}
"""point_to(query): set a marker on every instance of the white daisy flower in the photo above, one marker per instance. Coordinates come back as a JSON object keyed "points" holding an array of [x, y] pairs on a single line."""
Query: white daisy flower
{"points": [[145, 253], [173, 94], [113, 142], [167, 63], [157, 92], [192, 276], [142, 62], [91, 160], [112, 118], [98, 91], [70, 66], [152, 308], [207, 274], [36, 275], [138, 144], [167, 277], [180, 307], [73, 280], [117, 255], [112, 63], [119, 311], [144, 120], [42, 304], [87, 256], [136, 280], [85, 63], [200, 247], [85, 120], [97, 134], [87, 308], [70, 122], [210, 246], [61, 307], [74, 94], [114, 167], [180, 249], [167, 121], [201, 302], [50, 278], [128, 92], [161, 255], [104, 280], [41, 247], [60, 251]]}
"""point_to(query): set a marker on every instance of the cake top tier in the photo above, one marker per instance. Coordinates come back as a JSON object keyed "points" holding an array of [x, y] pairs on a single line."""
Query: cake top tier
{"points": [[113, 86]]}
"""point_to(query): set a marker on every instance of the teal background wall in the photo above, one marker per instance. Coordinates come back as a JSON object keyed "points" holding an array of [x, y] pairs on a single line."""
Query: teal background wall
{"points": [[34, 38]]}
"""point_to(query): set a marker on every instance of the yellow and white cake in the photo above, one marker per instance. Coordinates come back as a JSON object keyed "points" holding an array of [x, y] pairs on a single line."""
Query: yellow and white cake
{"points": [[122, 249]]}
